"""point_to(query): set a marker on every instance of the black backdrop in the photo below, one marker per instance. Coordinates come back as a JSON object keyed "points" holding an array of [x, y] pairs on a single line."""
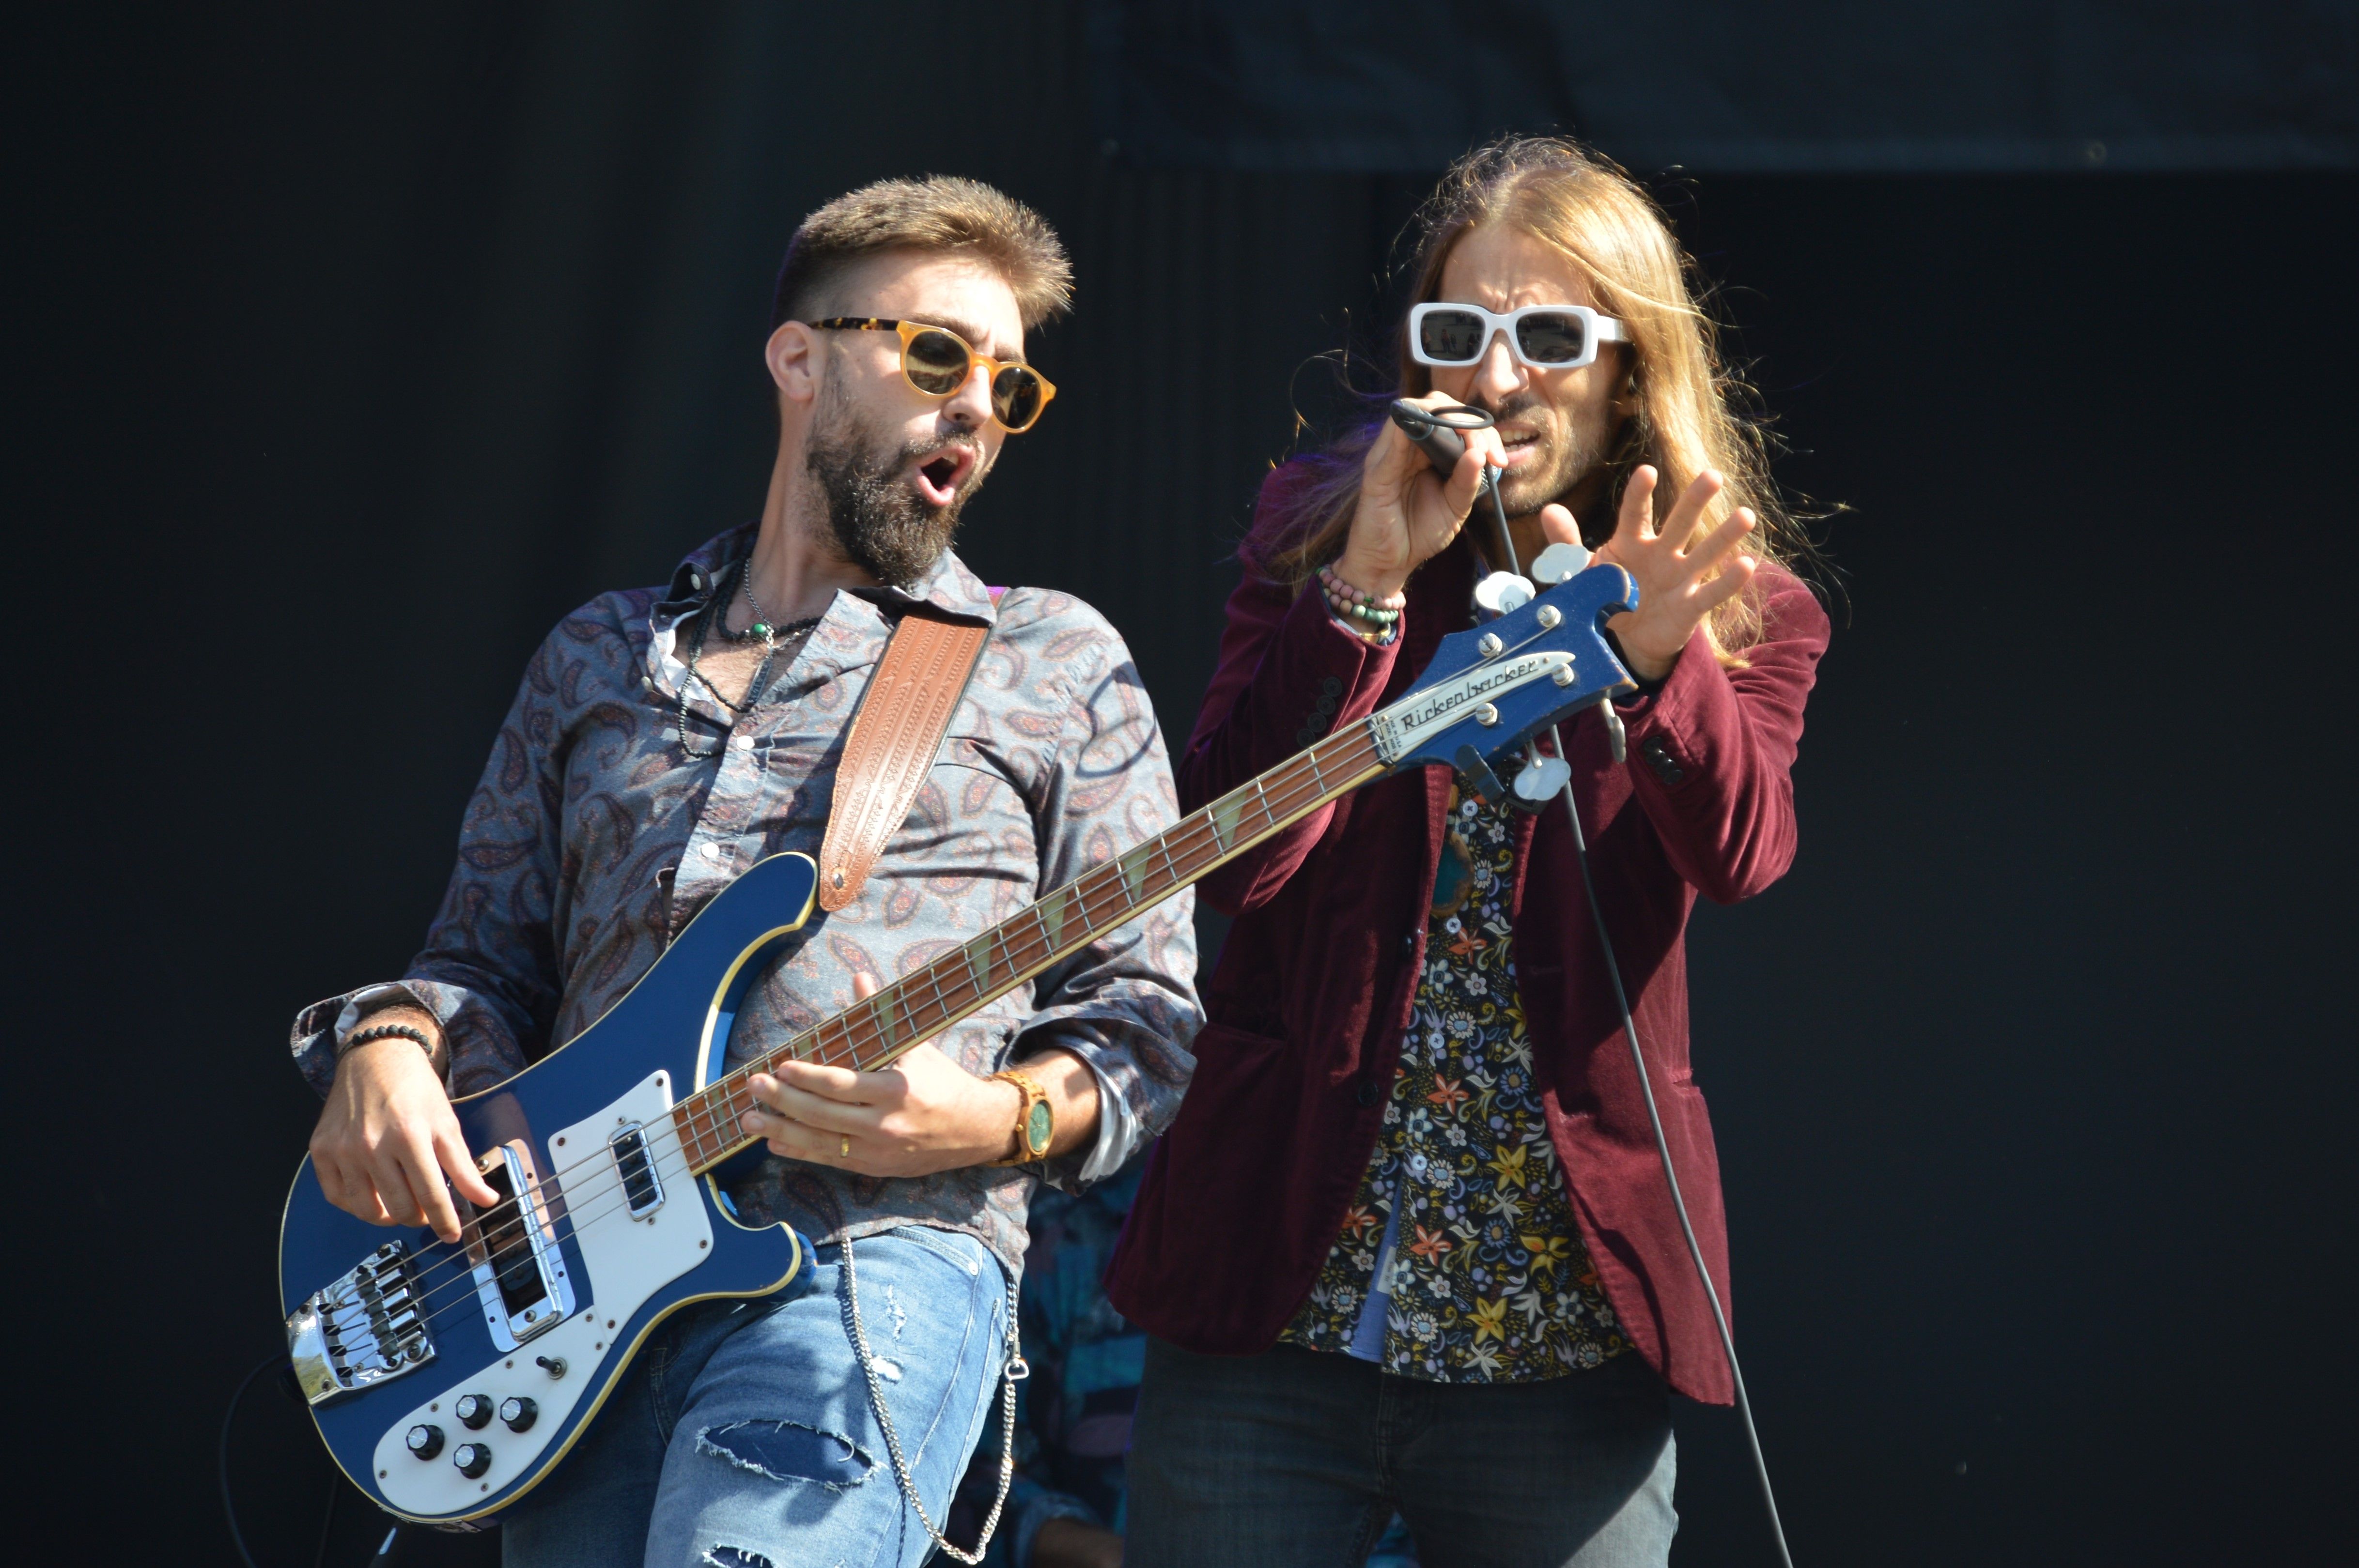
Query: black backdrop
{"points": [[354, 348]]}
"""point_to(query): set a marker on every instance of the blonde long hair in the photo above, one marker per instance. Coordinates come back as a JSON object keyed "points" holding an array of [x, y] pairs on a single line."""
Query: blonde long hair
{"points": [[1691, 413]]}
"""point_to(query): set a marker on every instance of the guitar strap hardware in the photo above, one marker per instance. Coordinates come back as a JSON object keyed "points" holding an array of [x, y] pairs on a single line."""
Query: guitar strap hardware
{"points": [[893, 742]]}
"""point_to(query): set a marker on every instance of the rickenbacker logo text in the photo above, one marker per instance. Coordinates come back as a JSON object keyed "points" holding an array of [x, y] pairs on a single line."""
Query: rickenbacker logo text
{"points": [[1405, 723]]}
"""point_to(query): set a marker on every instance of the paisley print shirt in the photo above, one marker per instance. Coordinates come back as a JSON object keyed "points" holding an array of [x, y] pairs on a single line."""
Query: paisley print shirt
{"points": [[594, 836], [1459, 1260]]}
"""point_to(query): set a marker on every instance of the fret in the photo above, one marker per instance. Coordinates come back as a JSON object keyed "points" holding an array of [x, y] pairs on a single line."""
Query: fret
{"points": [[1104, 881], [1224, 814], [1134, 870], [1049, 912]]}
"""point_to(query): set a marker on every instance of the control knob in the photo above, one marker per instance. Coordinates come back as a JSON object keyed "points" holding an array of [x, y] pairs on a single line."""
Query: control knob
{"points": [[474, 1411], [518, 1412], [425, 1439], [473, 1459]]}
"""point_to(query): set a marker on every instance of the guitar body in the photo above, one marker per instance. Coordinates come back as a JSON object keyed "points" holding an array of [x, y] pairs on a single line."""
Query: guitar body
{"points": [[614, 1237]]}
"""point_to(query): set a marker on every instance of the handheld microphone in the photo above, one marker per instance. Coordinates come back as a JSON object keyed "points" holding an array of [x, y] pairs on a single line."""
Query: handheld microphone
{"points": [[1434, 431]]}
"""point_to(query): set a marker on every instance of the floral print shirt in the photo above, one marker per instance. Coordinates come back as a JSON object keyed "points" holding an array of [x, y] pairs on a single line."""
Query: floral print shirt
{"points": [[596, 833], [1459, 1260]]}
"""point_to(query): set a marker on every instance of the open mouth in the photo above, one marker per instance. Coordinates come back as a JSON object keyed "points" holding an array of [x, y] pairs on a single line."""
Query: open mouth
{"points": [[940, 476], [1519, 445]]}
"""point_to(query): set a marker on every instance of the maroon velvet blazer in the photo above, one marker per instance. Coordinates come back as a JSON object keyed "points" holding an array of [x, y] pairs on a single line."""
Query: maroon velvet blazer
{"points": [[1245, 1196]]}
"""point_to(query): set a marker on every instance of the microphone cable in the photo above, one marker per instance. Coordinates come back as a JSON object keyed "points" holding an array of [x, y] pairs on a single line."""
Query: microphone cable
{"points": [[1645, 1080]]}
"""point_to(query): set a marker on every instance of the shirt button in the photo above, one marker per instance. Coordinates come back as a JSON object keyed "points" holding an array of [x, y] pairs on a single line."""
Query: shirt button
{"points": [[1409, 945], [647, 682], [742, 742], [711, 851], [1369, 1091]]}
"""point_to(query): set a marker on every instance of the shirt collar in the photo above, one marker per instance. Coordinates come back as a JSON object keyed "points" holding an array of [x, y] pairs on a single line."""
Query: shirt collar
{"points": [[947, 585]]}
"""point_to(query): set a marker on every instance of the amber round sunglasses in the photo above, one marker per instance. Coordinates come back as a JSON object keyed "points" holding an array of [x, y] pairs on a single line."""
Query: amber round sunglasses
{"points": [[937, 361]]}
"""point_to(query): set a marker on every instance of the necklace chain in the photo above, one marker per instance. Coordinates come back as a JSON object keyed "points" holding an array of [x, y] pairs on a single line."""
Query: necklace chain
{"points": [[760, 626], [716, 613]]}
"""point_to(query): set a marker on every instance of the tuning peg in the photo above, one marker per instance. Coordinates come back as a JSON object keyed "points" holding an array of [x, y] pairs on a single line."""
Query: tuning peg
{"points": [[1556, 563], [1541, 780], [1503, 591]]}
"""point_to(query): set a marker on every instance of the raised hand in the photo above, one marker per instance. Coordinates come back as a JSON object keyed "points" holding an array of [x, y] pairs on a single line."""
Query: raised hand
{"points": [[1407, 511], [1681, 578]]}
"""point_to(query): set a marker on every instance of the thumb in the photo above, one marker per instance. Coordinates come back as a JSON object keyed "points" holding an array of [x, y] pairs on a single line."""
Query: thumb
{"points": [[863, 986], [1557, 525]]}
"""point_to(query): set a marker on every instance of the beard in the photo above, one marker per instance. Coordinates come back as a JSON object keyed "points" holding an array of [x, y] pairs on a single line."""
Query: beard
{"points": [[876, 515], [1562, 457]]}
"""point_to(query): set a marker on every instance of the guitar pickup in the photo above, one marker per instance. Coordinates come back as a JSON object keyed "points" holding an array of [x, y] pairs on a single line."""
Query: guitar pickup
{"points": [[360, 1330], [519, 1269], [641, 1186]]}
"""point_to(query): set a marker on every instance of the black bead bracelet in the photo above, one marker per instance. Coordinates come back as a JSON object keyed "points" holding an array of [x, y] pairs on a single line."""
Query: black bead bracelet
{"points": [[387, 1032]]}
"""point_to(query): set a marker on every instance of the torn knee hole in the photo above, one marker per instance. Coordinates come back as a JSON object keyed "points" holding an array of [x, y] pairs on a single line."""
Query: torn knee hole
{"points": [[788, 1450], [737, 1557]]}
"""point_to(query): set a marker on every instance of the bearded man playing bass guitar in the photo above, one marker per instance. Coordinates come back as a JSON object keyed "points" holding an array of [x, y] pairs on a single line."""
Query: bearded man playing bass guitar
{"points": [[665, 739]]}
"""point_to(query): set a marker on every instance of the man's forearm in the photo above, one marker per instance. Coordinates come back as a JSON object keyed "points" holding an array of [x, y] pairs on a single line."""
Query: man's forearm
{"points": [[1072, 1092]]}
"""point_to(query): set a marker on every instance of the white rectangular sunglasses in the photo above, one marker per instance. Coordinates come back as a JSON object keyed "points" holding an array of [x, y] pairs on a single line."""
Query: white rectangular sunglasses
{"points": [[1545, 336]]}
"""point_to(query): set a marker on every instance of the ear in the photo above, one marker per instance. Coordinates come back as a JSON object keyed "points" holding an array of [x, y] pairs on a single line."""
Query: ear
{"points": [[1626, 396], [793, 355]]}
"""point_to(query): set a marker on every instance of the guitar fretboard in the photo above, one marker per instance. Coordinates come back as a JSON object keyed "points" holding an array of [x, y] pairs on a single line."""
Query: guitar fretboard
{"points": [[871, 1034]]}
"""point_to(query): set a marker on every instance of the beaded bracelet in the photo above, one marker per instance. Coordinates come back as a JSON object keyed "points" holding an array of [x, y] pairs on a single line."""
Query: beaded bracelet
{"points": [[385, 1032], [1358, 604]]}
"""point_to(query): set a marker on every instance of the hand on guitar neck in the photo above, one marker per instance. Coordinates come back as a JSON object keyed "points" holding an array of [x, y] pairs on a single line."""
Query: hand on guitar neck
{"points": [[924, 1113], [388, 1136]]}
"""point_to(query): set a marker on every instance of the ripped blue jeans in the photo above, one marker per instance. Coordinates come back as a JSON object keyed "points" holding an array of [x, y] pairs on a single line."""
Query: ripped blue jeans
{"points": [[744, 1436]]}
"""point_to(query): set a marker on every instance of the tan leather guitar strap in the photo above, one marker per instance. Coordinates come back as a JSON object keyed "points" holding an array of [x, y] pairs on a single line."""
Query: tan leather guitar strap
{"points": [[894, 738]]}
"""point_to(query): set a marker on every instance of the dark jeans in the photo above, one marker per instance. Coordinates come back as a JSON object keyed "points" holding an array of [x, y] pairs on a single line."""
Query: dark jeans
{"points": [[1299, 1458]]}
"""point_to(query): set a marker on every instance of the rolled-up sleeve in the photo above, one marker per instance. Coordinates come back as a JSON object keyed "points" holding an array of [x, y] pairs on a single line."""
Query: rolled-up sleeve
{"points": [[1126, 1003]]}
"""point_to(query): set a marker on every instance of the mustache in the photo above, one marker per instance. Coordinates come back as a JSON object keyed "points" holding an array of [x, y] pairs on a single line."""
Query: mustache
{"points": [[922, 451], [1522, 402]]}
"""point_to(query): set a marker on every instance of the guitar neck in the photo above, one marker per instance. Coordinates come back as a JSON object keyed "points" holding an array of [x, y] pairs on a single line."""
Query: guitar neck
{"points": [[961, 983]]}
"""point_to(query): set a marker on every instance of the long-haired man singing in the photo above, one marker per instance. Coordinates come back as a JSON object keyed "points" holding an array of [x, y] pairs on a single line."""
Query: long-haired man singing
{"points": [[1410, 1244]]}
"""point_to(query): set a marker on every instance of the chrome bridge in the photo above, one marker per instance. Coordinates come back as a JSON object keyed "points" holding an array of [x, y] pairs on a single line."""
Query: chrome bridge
{"points": [[362, 1329]]}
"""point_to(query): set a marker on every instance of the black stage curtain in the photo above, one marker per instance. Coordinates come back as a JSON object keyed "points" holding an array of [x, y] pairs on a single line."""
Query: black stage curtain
{"points": [[1372, 86], [354, 346]]}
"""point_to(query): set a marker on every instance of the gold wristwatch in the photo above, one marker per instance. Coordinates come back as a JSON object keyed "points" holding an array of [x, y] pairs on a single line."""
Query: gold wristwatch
{"points": [[1035, 1124]]}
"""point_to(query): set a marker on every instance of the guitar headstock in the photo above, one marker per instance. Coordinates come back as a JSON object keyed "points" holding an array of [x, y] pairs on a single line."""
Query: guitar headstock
{"points": [[1493, 686]]}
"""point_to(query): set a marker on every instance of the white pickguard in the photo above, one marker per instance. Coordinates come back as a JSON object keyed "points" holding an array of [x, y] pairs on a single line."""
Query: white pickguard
{"points": [[627, 1260]]}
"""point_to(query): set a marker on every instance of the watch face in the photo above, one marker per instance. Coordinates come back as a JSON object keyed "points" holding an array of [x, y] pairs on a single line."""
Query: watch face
{"points": [[1038, 1123]]}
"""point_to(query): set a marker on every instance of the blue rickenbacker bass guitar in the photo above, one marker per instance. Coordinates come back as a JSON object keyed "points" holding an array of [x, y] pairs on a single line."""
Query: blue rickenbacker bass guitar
{"points": [[448, 1380]]}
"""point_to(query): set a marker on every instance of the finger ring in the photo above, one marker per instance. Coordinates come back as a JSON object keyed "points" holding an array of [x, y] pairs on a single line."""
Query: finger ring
{"points": [[845, 1152]]}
